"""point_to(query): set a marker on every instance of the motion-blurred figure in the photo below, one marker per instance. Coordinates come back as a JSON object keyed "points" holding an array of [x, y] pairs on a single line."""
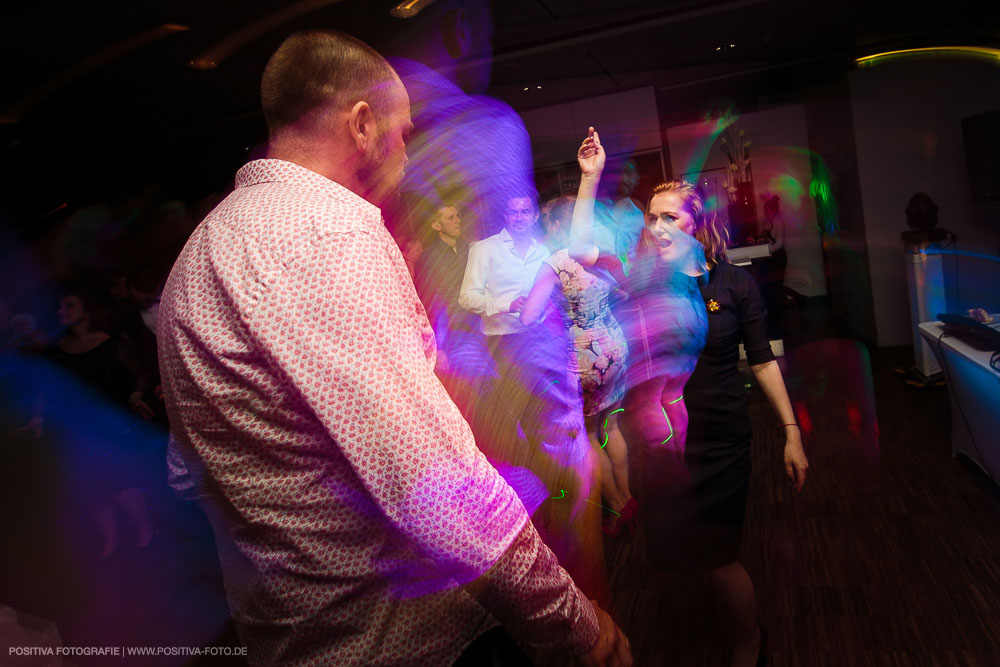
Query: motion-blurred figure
{"points": [[601, 351]]}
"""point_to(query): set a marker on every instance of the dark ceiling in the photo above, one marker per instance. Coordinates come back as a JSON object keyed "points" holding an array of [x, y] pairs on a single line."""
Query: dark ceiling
{"points": [[100, 95]]}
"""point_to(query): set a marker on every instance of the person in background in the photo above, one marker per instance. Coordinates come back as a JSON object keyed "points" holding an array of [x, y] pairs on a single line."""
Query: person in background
{"points": [[438, 279], [620, 218], [134, 316], [107, 467], [357, 522], [771, 270]]}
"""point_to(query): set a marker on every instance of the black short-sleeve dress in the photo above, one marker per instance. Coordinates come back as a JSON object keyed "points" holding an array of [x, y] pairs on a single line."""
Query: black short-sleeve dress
{"points": [[701, 525]]}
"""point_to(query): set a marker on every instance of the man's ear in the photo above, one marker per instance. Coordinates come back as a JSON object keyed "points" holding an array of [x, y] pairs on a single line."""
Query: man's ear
{"points": [[361, 124], [455, 32]]}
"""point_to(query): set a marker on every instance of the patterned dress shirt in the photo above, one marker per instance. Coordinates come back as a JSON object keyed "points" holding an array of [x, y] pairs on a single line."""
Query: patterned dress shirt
{"points": [[349, 500]]}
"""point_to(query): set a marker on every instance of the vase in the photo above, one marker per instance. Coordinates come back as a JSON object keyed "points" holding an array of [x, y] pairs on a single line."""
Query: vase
{"points": [[743, 214]]}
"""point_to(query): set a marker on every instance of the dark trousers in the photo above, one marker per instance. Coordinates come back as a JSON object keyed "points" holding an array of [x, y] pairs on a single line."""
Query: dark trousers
{"points": [[495, 648]]}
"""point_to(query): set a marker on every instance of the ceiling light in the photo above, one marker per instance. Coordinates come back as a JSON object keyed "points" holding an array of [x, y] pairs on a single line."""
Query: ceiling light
{"points": [[409, 8]]}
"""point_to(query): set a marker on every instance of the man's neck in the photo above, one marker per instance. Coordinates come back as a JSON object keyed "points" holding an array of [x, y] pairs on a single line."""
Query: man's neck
{"points": [[330, 160], [451, 241], [521, 243]]}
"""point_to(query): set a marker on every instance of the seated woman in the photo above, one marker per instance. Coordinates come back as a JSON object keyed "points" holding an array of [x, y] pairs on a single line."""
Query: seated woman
{"points": [[601, 352]]}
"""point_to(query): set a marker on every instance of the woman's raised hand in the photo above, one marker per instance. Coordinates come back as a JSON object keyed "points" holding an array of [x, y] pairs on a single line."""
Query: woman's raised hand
{"points": [[591, 155]]}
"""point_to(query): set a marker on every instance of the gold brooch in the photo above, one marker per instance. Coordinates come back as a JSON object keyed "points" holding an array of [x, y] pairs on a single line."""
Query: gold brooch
{"points": [[713, 306]]}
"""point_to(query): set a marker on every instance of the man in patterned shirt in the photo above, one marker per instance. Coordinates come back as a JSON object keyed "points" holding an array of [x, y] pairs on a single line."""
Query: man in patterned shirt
{"points": [[356, 520]]}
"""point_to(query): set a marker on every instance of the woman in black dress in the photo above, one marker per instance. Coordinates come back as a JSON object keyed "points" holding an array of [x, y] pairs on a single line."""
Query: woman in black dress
{"points": [[703, 522]]}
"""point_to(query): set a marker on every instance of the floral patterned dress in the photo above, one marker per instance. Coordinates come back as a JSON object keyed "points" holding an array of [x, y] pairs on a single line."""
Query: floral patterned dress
{"points": [[600, 345]]}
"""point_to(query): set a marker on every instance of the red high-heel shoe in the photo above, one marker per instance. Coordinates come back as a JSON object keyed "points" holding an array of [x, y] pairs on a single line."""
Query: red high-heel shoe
{"points": [[631, 510], [627, 517]]}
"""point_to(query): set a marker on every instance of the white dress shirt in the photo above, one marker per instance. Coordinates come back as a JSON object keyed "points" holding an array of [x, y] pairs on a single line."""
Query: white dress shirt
{"points": [[495, 276]]}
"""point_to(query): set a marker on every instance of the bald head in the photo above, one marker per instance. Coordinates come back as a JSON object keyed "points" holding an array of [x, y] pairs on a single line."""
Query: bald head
{"points": [[317, 72]]}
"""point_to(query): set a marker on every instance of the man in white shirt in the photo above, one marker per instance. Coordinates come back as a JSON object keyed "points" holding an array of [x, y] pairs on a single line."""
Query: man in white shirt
{"points": [[502, 269]]}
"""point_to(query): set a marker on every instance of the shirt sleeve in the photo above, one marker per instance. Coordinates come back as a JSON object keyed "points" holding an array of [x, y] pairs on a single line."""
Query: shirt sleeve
{"points": [[473, 295], [527, 595], [753, 319], [345, 327]]}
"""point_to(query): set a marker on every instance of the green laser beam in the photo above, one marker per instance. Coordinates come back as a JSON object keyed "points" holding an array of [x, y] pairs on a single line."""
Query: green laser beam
{"points": [[603, 507], [606, 425], [669, 425]]}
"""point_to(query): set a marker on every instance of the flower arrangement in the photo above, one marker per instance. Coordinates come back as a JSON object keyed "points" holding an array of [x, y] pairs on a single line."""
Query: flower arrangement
{"points": [[737, 150]]}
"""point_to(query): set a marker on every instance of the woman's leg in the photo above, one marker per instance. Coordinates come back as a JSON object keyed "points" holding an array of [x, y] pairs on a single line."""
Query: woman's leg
{"points": [[102, 512], [645, 414], [675, 412], [609, 489], [733, 585], [617, 454]]}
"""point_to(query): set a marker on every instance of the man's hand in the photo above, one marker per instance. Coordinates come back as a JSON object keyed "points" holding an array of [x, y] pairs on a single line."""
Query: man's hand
{"points": [[591, 156], [139, 406], [517, 304], [612, 648]]}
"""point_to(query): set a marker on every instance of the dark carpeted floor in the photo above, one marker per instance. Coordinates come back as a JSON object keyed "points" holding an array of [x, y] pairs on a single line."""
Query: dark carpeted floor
{"points": [[890, 556]]}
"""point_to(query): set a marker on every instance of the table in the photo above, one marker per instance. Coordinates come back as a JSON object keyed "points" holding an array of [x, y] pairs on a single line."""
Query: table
{"points": [[974, 393], [743, 255]]}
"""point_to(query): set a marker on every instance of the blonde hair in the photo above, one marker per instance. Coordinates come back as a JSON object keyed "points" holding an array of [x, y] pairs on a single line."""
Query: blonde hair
{"points": [[708, 230]]}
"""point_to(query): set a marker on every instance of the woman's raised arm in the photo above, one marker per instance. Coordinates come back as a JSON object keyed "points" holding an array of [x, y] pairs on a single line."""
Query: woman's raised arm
{"points": [[591, 158]]}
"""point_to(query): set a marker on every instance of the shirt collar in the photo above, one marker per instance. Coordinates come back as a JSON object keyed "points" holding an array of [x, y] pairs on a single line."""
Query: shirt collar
{"points": [[256, 172], [507, 239]]}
